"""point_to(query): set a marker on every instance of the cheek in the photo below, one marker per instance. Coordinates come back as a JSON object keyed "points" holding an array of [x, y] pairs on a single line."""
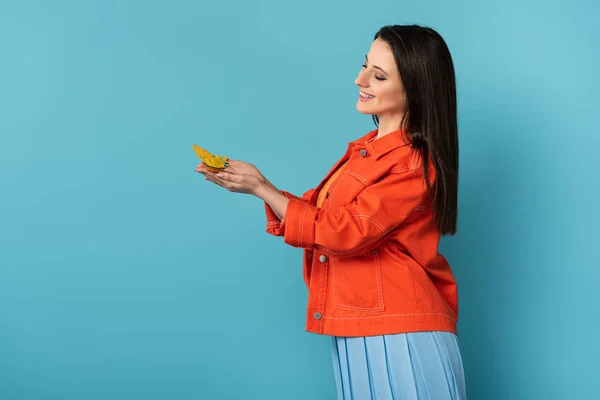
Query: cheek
{"points": [[392, 97]]}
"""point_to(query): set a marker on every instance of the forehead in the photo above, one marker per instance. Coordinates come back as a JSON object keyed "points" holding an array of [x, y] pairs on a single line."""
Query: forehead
{"points": [[381, 55]]}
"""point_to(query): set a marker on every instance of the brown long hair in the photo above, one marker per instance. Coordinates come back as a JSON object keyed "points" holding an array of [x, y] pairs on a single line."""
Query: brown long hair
{"points": [[427, 73]]}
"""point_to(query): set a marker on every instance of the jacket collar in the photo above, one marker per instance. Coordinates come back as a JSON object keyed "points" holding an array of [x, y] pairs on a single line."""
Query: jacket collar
{"points": [[381, 146]]}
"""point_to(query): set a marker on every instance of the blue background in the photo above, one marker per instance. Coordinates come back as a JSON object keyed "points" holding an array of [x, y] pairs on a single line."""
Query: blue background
{"points": [[124, 275]]}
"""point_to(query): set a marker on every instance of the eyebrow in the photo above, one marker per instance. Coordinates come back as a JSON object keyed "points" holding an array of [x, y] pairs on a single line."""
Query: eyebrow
{"points": [[375, 66]]}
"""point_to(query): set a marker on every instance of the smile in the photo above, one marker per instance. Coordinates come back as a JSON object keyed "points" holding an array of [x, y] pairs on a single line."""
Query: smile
{"points": [[365, 96]]}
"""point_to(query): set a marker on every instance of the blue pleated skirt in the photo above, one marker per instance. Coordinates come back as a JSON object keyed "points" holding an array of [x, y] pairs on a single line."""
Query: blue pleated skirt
{"points": [[416, 365]]}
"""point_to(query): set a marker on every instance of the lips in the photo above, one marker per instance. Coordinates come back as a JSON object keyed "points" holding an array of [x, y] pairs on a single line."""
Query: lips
{"points": [[365, 96]]}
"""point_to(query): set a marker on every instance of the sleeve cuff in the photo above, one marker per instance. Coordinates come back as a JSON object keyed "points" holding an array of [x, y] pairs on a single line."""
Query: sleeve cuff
{"points": [[300, 220], [275, 226]]}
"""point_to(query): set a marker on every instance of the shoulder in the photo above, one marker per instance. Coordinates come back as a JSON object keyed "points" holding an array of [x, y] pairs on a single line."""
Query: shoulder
{"points": [[402, 159]]}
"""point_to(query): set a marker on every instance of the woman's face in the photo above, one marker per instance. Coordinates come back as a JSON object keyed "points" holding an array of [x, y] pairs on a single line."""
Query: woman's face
{"points": [[381, 89]]}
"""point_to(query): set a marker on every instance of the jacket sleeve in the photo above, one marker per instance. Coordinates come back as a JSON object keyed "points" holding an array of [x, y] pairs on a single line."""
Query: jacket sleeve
{"points": [[361, 225], [275, 226]]}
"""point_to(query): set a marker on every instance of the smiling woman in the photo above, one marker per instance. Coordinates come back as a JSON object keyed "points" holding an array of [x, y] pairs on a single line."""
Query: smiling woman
{"points": [[370, 229], [381, 92]]}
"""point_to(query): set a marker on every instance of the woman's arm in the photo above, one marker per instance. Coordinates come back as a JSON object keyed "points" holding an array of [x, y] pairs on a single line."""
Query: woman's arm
{"points": [[349, 230], [357, 227], [273, 197]]}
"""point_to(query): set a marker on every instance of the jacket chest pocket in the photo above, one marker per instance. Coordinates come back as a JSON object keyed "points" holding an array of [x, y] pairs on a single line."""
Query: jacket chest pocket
{"points": [[357, 282], [344, 190]]}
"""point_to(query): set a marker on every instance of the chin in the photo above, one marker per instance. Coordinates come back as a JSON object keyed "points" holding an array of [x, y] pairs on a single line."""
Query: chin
{"points": [[361, 108]]}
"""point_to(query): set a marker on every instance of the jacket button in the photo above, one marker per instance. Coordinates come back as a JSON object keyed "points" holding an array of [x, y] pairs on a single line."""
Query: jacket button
{"points": [[322, 258], [317, 315], [363, 152], [326, 194]]}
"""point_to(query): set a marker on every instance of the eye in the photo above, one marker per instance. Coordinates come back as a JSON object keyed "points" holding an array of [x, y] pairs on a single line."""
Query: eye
{"points": [[379, 78]]}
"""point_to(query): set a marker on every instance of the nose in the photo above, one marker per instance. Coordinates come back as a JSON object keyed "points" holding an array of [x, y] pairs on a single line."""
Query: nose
{"points": [[360, 80]]}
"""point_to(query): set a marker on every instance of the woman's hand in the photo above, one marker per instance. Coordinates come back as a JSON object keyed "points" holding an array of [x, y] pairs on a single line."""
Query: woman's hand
{"points": [[243, 177], [239, 176]]}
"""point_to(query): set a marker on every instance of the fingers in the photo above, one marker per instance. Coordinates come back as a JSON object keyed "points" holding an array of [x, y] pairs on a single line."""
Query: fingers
{"points": [[201, 168], [211, 178], [230, 169], [208, 175], [237, 163], [226, 184], [226, 178]]}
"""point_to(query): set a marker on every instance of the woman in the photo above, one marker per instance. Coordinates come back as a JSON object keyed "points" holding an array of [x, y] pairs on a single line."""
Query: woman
{"points": [[370, 231]]}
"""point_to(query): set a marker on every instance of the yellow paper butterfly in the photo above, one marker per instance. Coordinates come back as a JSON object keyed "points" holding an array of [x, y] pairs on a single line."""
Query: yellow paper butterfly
{"points": [[212, 161]]}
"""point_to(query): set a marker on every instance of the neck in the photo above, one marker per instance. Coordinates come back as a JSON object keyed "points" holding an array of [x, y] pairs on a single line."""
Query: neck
{"points": [[388, 125]]}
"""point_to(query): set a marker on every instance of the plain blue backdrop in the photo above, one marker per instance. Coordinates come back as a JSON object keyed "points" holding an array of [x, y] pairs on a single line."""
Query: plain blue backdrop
{"points": [[124, 275]]}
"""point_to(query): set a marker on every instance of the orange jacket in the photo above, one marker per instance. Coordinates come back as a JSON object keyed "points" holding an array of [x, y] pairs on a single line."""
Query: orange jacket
{"points": [[371, 261]]}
